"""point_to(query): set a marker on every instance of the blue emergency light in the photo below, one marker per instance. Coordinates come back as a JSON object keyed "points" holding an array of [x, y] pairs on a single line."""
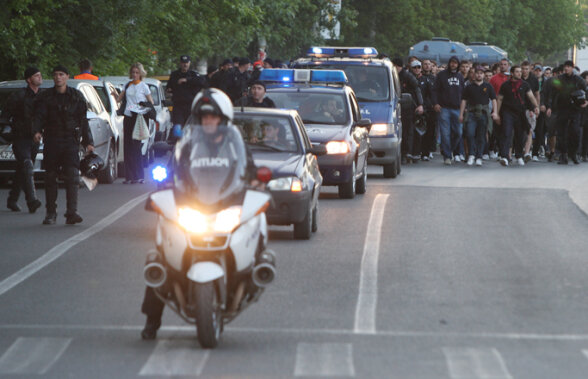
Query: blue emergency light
{"points": [[287, 76], [159, 173], [344, 52]]}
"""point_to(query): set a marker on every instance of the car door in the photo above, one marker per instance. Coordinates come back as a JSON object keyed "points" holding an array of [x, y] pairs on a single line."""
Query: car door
{"points": [[98, 125], [163, 115], [116, 119], [360, 133], [311, 168]]}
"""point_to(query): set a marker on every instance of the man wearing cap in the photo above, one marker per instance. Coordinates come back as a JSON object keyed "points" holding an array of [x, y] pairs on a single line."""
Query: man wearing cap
{"points": [[256, 97], [569, 115], [60, 118], [183, 84], [19, 110], [422, 142], [236, 81], [449, 86], [410, 85]]}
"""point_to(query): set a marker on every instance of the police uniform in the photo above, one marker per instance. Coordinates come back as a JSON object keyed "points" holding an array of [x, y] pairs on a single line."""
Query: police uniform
{"points": [[19, 108], [183, 94], [61, 118], [410, 85]]}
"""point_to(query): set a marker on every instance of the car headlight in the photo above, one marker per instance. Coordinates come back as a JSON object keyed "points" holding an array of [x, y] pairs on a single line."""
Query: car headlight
{"points": [[381, 130], [337, 147], [196, 222], [192, 220], [285, 184]]}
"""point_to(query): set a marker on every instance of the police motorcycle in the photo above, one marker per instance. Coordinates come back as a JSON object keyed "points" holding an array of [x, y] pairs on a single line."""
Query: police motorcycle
{"points": [[211, 261]]}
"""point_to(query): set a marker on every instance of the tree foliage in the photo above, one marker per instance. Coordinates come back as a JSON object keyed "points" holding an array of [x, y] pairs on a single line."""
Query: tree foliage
{"points": [[116, 33]]}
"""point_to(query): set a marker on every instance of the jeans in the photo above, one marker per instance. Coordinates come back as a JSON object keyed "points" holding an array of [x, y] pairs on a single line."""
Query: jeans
{"points": [[476, 125], [450, 129]]}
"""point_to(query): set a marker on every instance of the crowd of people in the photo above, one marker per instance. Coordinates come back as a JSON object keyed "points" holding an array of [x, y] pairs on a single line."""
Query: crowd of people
{"points": [[477, 112]]}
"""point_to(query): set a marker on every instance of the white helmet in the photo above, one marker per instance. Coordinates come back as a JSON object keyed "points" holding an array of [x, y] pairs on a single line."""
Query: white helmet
{"points": [[215, 101]]}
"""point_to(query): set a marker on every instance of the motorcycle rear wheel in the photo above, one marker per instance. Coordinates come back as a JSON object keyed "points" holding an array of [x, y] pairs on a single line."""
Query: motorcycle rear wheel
{"points": [[208, 315]]}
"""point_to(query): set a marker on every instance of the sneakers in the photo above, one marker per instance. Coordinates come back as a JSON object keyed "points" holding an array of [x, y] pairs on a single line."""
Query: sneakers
{"points": [[34, 205], [430, 155], [74, 218], [471, 160], [485, 157], [457, 158], [447, 161], [478, 162], [520, 162], [493, 155], [527, 158], [149, 332], [535, 158], [50, 219], [503, 161], [541, 152], [425, 158], [13, 206]]}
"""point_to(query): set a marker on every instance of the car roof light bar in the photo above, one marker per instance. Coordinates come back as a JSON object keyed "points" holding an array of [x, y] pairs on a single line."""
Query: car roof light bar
{"points": [[344, 52]]}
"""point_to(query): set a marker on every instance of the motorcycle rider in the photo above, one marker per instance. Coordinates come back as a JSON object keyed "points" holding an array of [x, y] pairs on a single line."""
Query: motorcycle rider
{"points": [[212, 110]]}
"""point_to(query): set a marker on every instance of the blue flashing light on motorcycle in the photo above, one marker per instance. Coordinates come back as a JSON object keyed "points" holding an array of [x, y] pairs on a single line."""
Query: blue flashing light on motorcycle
{"points": [[159, 173]]}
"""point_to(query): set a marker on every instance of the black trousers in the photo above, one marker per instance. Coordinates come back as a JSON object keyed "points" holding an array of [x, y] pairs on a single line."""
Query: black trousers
{"points": [[132, 150], [513, 123], [429, 142], [25, 151], [152, 306], [568, 130], [407, 115], [61, 155], [540, 131]]}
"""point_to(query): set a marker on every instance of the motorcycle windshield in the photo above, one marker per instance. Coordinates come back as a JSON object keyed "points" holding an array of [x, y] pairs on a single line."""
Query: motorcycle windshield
{"points": [[210, 168]]}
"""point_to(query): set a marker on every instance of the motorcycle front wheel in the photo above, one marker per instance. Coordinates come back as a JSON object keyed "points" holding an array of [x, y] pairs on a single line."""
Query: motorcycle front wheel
{"points": [[208, 315]]}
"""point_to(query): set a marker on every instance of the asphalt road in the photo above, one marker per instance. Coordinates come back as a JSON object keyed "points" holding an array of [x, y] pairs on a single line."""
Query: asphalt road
{"points": [[444, 272]]}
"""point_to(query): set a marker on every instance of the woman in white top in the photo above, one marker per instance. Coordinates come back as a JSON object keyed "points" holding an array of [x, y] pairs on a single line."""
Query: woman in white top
{"points": [[135, 92]]}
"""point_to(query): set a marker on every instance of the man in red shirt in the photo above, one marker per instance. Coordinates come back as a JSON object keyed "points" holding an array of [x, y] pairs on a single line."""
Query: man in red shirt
{"points": [[496, 82]]}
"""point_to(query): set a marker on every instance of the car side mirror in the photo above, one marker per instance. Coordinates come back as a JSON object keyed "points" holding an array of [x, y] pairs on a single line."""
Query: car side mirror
{"points": [[406, 99], [318, 150]]}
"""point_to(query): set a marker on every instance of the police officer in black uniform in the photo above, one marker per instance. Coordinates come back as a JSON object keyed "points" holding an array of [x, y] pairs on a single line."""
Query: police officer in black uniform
{"points": [[569, 115], [236, 81], [19, 109], [409, 84], [60, 117], [184, 84]]}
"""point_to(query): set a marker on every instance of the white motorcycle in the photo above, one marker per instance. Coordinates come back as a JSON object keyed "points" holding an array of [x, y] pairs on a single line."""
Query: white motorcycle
{"points": [[211, 260]]}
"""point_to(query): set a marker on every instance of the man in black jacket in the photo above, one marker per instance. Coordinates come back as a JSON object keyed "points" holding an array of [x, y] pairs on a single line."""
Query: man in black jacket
{"points": [[257, 98], [60, 118], [19, 110], [184, 84], [236, 81], [410, 85], [569, 113], [449, 86]]}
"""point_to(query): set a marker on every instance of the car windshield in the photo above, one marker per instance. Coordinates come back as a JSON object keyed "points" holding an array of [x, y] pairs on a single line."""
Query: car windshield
{"points": [[102, 95], [314, 108], [370, 83], [210, 170], [268, 133]]}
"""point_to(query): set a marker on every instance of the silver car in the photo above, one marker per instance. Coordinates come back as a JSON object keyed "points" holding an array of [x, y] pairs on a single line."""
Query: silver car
{"points": [[103, 133]]}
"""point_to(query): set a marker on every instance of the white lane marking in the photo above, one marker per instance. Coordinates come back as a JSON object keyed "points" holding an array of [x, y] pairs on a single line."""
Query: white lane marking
{"points": [[365, 311], [32, 355], [334, 332], [56, 252], [177, 357], [475, 363], [324, 359]]}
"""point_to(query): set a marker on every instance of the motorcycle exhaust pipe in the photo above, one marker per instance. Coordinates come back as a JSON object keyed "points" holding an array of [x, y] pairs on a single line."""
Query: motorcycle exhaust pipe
{"points": [[154, 271], [264, 271]]}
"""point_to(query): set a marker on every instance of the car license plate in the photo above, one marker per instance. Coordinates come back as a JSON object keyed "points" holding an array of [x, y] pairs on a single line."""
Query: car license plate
{"points": [[7, 155]]}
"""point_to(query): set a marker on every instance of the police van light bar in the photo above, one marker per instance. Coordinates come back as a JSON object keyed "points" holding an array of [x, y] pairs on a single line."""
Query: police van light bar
{"points": [[345, 52], [303, 76]]}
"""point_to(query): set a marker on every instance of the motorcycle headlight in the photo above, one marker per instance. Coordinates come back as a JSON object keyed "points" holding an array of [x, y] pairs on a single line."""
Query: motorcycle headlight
{"points": [[381, 130], [192, 220], [227, 220], [285, 184], [337, 147]]}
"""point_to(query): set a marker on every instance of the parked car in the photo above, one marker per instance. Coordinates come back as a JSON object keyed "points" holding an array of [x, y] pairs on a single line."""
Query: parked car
{"points": [[441, 49], [103, 133], [296, 179]]}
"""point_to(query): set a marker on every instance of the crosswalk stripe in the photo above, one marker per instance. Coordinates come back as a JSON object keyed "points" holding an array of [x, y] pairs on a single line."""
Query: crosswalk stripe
{"points": [[475, 363], [183, 357], [324, 359], [32, 355]]}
